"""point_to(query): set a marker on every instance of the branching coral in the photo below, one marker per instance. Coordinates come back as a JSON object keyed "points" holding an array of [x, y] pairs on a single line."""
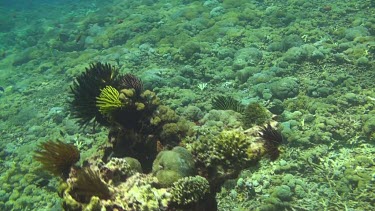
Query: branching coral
{"points": [[57, 157], [108, 100], [228, 149], [189, 190], [222, 156]]}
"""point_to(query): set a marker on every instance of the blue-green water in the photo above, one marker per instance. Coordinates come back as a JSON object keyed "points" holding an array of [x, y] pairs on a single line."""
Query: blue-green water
{"points": [[305, 67]]}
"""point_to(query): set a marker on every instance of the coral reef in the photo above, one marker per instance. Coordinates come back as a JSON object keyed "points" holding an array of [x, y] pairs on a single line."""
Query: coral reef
{"points": [[139, 192], [86, 191], [313, 69], [140, 127], [222, 156]]}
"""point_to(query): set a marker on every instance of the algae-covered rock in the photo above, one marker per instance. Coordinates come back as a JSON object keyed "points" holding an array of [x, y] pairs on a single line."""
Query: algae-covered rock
{"points": [[94, 204], [171, 165], [295, 55], [285, 88], [139, 193], [255, 114], [369, 127], [247, 56], [121, 168], [283, 192], [358, 31]]}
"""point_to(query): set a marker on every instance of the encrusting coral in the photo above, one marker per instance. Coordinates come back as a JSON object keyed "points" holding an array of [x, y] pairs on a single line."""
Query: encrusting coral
{"points": [[140, 192], [57, 157], [117, 170]]}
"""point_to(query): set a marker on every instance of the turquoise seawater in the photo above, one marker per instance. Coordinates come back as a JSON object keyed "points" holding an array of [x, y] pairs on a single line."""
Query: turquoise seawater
{"points": [[229, 105]]}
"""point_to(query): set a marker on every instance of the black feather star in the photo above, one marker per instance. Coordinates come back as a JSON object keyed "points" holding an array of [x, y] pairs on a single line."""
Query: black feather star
{"points": [[130, 81], [272, 140], [87, 87], [227, 103]]}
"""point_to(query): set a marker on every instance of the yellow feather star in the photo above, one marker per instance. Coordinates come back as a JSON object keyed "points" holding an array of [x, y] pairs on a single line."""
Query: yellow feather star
{"points": [[108, 100]]}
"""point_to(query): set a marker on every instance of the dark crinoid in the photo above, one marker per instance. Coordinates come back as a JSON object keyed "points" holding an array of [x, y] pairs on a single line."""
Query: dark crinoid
{"points": [[130, 81], [88, 184], [227, 103], [272, 140], [57, 157], [87, 87]]}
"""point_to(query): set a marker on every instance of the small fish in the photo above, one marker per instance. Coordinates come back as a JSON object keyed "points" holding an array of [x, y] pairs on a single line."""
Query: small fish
{"points": [[62, 133], [1, 89], [78, 38]]}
